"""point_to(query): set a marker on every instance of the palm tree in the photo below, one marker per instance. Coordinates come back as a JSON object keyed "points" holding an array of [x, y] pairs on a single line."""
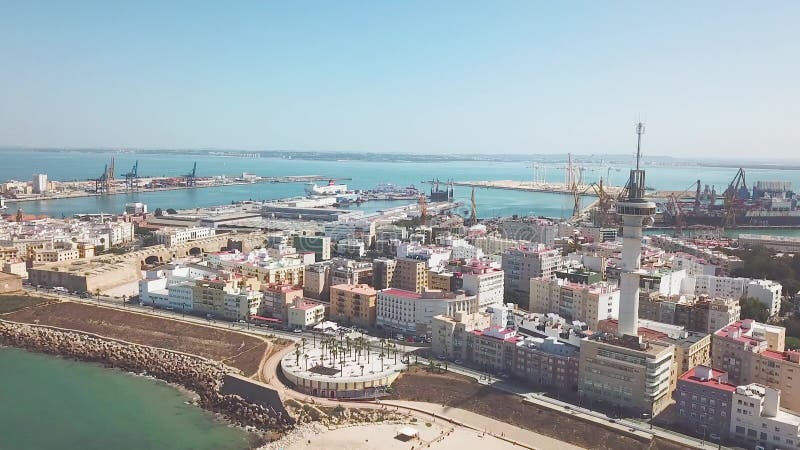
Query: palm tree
{"points": [[304, 340], [297, 354], [341, 370], [333, 360], [306, 358], [362, 369], [394, 347]]}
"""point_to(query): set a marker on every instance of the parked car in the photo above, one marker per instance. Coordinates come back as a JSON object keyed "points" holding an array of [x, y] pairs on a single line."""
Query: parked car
{"points": [[297, 330]]}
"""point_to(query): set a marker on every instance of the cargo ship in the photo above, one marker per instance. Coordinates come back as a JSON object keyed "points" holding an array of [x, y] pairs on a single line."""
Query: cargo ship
{"points": [[766, 204]]}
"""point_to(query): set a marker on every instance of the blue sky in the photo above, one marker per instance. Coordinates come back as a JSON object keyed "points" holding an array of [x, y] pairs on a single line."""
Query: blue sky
{"points": [[716, 79]]}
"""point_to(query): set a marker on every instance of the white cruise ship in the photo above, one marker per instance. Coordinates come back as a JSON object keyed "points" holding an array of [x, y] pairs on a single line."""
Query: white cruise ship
{"points": [[330, 189]]}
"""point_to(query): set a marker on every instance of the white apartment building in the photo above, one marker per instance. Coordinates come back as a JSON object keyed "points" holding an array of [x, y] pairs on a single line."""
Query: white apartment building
{"points": [[495, 245], [460, 248], [758, 420], [485, 282], [171, 237], [588, 303], [363, 230], [412, 312], [767, 292], [693, 265], [716, 286], [434, 256], [304, 314], [39, 183]]}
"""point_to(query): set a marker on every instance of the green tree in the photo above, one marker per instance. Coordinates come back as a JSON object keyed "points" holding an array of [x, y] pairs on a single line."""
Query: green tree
{"points": [[754, 309]]}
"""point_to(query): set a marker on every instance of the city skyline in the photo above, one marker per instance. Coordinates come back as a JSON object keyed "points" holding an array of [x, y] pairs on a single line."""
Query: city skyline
{"points": [[523, 78]]}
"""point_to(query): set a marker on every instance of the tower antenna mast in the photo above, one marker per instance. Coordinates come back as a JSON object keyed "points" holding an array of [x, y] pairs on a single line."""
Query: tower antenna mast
{"points": [[639, 133]]}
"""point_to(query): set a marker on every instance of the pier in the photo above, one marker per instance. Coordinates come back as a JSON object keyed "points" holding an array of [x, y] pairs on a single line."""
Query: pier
{"points": [[555, 188], [78, 189]]}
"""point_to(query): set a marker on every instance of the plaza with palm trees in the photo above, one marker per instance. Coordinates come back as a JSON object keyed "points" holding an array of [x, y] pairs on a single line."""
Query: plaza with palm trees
{"points": [[343, 366]]}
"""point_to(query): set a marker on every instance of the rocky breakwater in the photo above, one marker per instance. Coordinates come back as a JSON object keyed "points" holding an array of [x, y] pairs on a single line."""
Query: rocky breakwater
{"points": [[202, 376]]}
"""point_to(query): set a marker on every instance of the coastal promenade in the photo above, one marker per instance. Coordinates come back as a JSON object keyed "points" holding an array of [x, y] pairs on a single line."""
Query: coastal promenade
{"points": [[269, 374]]}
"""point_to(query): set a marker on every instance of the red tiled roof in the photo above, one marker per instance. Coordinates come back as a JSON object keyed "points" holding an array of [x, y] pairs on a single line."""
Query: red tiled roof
{"points": [[713, 382], [612, 325], [775, 355], [402, 293]]}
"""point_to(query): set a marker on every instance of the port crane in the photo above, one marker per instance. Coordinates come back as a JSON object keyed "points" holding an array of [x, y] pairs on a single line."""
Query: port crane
{"points": [[674, 206], [734, 198], [191, 177], [422, 205], [473, 214], [132, 178], [105, 182], [605, 203]]}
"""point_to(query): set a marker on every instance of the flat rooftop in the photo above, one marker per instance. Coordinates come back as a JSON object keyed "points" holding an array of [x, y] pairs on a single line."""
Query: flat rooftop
{"points": [[713, 382]]}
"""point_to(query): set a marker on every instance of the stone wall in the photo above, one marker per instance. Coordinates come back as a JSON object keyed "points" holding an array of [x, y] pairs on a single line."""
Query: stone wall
{"points": [[202, 376], [252, 391]]}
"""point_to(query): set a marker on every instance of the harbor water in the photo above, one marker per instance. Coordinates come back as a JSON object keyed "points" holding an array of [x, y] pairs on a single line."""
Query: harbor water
{"points": [[363, 174]]}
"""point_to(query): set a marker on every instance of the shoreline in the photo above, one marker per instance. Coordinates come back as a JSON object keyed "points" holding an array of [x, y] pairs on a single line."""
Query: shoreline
{"points": [[196, 378]]}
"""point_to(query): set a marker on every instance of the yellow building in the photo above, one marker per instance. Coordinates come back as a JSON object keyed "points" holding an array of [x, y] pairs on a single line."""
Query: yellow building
{"points": [[410, 275], [353, 303]]}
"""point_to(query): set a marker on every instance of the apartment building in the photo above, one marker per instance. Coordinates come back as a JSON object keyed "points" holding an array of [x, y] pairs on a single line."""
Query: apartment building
{"points": [[258, 263], [347, 271], [317, 281], [320, 245], [485, 282], [410, 275], [753, 352], [383, 272], [547, 362], [524, 262], [171, 237], [353, 304], [703, 400], [586, 303], [304, 314], [696, 313], [767, 292], [225, 299], [448, 333], [413, 312], [277, 299], [758, 420], [492, 349], [628, 373]]}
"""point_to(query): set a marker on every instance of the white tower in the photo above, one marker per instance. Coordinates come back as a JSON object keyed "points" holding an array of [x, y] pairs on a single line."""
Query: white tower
{"points": [[636, 212]]}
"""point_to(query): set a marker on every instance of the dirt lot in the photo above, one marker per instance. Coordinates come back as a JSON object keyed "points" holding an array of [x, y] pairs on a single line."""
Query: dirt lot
{"points": [[461, 392], [12, 302], [237, 350]]}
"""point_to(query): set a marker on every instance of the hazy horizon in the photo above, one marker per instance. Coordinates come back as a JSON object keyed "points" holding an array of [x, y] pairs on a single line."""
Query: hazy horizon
{"points": [[515, 78]]}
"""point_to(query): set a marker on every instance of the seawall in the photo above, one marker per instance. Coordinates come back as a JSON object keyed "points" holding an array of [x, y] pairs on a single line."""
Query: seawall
{"points": [[202, 376]]}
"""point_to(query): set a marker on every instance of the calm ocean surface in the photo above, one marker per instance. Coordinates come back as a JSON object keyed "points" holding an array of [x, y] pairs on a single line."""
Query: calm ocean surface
{"points": [[49, 403], [364, 174]]}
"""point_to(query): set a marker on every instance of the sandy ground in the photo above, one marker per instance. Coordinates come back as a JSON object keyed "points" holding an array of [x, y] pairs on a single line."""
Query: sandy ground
{"points": [[129, 289], [382, 437], [490, 425]]}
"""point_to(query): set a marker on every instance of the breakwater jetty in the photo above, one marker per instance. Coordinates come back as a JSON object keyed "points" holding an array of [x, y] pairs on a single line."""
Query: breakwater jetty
{"points": [[199, 375]]}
